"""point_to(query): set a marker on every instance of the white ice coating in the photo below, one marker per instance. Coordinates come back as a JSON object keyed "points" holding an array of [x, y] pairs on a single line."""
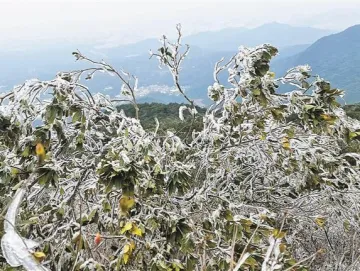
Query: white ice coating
{"points": [[16, 249]]}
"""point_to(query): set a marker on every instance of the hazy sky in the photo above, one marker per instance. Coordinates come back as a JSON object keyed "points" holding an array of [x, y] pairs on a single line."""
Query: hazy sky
{"points": [[113, 22]]}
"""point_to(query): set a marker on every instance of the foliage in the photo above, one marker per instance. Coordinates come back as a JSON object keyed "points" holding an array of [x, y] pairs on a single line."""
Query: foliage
{"points": [[353, 111], [252, 190]]}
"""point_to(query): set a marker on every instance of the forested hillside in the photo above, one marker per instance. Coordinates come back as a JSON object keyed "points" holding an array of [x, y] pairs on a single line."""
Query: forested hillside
{"points": [[334, 57], [168, 117], [168, 114], [353, 110]]}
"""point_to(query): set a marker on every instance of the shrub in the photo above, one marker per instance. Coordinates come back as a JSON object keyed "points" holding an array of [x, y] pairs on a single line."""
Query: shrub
{"points": [[254, 189]]}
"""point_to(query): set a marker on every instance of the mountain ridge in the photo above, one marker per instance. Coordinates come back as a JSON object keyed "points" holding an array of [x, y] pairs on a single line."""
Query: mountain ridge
{"points": [[334, 57], [278, 34]]}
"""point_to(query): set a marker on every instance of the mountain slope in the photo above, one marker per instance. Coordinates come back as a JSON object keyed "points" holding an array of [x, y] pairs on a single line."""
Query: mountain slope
{"points": [[217, 40], [280, 35], [335, 58], [289, 51]]}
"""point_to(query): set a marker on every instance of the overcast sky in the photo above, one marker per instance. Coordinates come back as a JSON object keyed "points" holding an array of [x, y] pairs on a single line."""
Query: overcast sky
{"points": [[115, 22]]}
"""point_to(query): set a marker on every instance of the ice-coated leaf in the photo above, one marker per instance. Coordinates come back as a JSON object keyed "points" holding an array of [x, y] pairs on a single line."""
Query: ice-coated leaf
{"points": [[181, 112], [15, 249]]}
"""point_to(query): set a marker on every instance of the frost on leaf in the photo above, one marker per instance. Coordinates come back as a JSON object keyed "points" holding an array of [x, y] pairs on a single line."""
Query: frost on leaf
{"points": [[16, 249]]}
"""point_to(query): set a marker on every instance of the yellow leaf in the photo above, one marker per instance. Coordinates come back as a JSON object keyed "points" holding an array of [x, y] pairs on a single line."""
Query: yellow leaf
{"points": [[263, 136], [126, 258], [282, 248], [246, 222], [127, 227], [281, 234], [325, 117], [126, 203], [328, 118], [39, 149], [263, 216], [136, 230], [14, 171], [39, 256], [126, 248], [354, 134], [132, 245], [251, 262], [286, 143], [320, 221], [271, 74]]}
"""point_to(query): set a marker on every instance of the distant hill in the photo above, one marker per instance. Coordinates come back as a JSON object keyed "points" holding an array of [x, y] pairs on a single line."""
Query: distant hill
{"points": [[279, 35], [291, 50], [229, 39], [223, 39], [335, 57]]}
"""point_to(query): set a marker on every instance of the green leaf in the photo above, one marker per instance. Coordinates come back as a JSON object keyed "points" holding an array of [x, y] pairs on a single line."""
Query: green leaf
{"points": [[290, 132], [353, 135], [106, 206], [45, 178], [251, 262], [61, 211], [256, 92], [187, 245], [77, 116], [92, 214], [18, 185], [62, 191], [14, 171], [26, 152], [162, 50], [229, 215], [346, 225], [50, 114], [177, 266]]}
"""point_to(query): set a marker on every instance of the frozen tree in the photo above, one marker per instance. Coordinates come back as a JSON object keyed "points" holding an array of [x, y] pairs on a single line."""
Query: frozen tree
{"points": [[267, 184]]}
